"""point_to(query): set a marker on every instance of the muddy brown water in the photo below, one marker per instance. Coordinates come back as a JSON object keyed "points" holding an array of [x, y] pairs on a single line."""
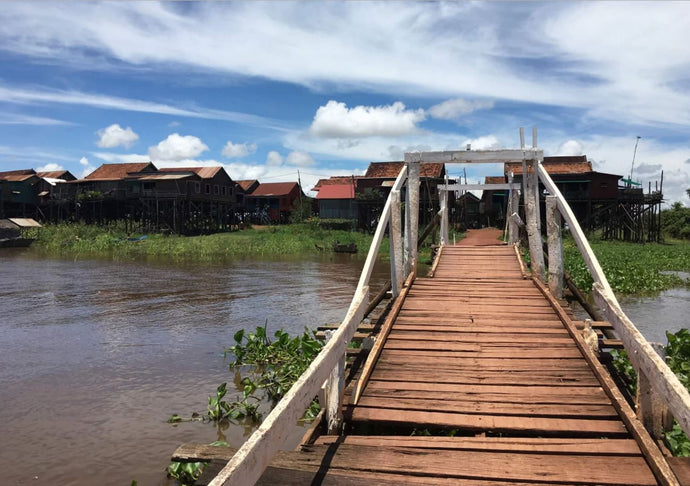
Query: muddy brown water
{"points": [[96, 355]]}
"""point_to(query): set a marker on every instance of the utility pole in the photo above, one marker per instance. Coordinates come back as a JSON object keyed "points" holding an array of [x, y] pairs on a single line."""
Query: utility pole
{"points": [[633, 161]]}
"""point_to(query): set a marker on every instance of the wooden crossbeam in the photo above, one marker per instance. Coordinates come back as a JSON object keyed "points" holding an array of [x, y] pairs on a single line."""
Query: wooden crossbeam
{"points": [[476, 156]]}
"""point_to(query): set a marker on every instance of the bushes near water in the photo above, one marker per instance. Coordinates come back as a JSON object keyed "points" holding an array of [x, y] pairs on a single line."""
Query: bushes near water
{"points": [[114, 241]]}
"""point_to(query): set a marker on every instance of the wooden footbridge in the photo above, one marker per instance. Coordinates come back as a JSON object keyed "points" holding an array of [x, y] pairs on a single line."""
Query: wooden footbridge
{"points": [[479, 373]]}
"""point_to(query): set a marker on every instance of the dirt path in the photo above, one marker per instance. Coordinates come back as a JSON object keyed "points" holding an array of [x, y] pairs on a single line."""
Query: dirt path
{"points": [[482, 237]]}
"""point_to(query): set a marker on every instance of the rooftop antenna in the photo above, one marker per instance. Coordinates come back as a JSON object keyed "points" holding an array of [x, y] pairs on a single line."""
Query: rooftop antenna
{"points": [[633, 162]]}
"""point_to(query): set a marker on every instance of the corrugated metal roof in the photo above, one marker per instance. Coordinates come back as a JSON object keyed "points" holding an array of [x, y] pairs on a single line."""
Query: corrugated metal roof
{"points": [[335, 180], [392, 169], [118, 171], [247, 184], [557, 165], [340, 191], [164, 177], [17, 175], [203, 172], [274, 189], [64, 175]]}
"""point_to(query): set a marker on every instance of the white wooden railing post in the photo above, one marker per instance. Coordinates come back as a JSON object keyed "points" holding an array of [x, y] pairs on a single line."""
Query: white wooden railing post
{"points": [[333, 392], [555, 242], [443, 200], [530, 185], [395, 236], [513, 208], [412, 214]]}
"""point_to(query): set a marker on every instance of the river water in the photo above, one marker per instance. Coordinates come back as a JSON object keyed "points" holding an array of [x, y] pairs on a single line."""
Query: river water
{"points": [[96, 355]]}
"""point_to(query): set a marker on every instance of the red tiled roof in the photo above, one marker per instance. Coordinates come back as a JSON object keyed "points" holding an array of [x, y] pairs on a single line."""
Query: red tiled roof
{"points": [[494, 180], [18, 175], [557, 165], [247, 184], [274, 189], [340, 191], [203, 172], [335, 180], [118, 171], [392, 169]]}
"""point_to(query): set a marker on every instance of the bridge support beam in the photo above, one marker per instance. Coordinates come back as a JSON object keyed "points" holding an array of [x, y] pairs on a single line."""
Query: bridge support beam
{"points": [[531, 197], [396, 246], [555, 242], [411, 215], [443, 200], [513, 208]]}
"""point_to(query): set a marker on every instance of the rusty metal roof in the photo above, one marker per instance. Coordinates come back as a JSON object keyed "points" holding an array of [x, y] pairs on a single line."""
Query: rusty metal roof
{"points": [[111, 172], [392, 169], [274, 189], [336, 191], [155, 176], [335, 180], [246, 185], [494, 180], [557, 165], [18, 175], [203, 172], [65, 175]]}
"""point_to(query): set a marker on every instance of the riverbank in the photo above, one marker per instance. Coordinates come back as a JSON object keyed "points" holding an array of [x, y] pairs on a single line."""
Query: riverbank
{"points": [[114, 242], [631, 268]]}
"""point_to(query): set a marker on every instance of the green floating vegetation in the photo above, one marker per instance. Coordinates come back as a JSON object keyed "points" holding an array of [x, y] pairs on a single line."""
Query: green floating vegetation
{"points": [[631, 268], [115, 241], [678, 359]]}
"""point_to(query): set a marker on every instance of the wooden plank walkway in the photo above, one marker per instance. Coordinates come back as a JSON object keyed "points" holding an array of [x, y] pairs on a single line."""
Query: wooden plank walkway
{"points": [[478, 358]]}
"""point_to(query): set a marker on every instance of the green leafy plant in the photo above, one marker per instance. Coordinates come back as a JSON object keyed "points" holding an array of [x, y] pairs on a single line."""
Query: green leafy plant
{"points": [[625, 369], [185, 472]]}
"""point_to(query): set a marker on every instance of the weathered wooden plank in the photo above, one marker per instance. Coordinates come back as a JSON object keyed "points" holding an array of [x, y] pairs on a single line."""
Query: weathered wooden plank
{"points": [[471, 327], [580, 446], [495, 423], [489, 408], [476, 337]]}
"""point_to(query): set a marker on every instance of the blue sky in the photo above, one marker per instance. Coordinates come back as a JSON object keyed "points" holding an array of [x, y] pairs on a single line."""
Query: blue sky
{"points": [[267, 89]]}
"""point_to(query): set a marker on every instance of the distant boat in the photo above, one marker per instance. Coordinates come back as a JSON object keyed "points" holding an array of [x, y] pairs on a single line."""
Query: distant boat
{"points": [[10, 232], [16, 242], [344, 247]]}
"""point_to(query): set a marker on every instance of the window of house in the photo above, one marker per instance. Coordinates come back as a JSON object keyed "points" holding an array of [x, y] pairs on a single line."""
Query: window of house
{"points": [[216, 190], [208, 188], [197, 187], [224, 190]]}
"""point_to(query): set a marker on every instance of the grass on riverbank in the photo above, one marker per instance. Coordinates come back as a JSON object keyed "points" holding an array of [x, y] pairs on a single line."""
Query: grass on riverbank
{"points": [[112, 241], [631, 268]]}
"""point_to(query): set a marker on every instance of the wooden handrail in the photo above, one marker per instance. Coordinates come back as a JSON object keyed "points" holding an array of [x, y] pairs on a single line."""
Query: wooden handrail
{"points": [[651, 368], [250, 460]]}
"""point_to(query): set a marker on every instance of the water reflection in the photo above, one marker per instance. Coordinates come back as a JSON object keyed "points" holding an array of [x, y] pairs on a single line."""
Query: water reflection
{"points": [[96, 355]]}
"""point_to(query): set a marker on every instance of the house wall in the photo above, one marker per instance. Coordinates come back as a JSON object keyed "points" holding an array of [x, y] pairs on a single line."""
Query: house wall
{"points": [[338, 208]]}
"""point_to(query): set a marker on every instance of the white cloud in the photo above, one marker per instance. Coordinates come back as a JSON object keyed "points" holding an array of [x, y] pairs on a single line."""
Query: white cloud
{"points": [[50, 167], [335, 119], [17, 119], [238, 150], [115, 136], [71, 97], [487, 142], [177, 147], [274, 159], [452, 109], [87, 167], [299, 159], [114, 158], [571, 147]]}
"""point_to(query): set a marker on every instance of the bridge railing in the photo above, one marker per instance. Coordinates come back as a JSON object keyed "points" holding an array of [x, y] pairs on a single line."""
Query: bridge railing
{"points": [[658, 387], [326, 373]]}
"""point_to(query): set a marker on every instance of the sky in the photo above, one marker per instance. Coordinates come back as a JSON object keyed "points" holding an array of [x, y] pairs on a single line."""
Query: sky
{"points": [[279, 90]]}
